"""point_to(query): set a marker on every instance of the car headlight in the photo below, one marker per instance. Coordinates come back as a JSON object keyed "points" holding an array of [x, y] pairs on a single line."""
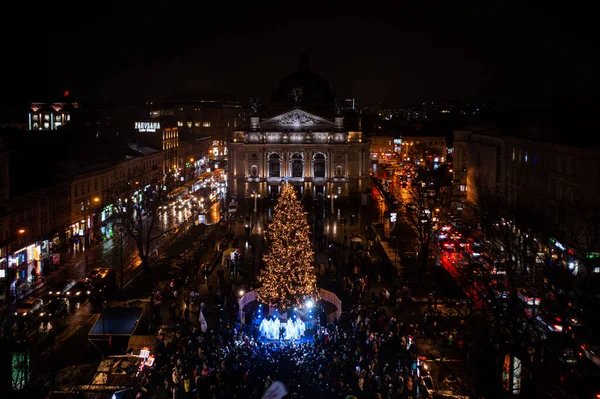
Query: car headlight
{"points": [[88, 292], [68, 292], [16, 314], [78, 293], [41, 314], [51, 292], [25, 313]]}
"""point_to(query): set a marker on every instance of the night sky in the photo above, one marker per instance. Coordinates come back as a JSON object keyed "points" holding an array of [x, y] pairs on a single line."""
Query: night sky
{"points": [[394, 55]]}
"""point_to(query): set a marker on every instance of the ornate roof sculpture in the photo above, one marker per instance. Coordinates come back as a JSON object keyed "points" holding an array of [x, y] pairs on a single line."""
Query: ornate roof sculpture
{"points": [[296, 119]]}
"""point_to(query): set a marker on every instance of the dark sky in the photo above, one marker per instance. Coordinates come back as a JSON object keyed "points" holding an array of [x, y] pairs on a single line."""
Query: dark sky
{"points": [[395, 55]]}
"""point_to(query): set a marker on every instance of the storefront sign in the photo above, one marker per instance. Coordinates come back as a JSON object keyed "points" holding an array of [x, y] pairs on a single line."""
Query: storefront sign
{"points": [[558, 244], [145, 352], [147, 126]]}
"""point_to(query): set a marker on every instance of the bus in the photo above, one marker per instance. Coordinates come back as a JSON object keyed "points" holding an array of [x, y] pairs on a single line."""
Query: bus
{"points": [[206, 179], [178, 194]]}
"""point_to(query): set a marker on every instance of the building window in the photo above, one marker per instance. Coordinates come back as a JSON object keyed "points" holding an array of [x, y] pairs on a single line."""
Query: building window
{"points": [[526, 157], [319, 165], [205, 124], [514, 152], [196, 124], [189, 124], [274, 165], [463, 187], [180, 124]]}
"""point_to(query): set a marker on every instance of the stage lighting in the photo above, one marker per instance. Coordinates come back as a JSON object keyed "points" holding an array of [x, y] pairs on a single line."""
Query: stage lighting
{"points": [[309, 304]]}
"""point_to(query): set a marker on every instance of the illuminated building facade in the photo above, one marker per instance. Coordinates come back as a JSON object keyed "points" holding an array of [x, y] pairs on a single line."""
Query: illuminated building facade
{"points": [[50, 116], [317, 155], [161, 134]]}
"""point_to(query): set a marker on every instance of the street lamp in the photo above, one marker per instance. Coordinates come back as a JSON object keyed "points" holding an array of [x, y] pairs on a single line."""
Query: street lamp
{"points": [[255, 196], [332, 196]]}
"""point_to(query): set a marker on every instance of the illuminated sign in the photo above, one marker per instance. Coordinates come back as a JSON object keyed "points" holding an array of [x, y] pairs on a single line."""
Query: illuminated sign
{"points": [[145, 352], [147, 126], [393, 216]]}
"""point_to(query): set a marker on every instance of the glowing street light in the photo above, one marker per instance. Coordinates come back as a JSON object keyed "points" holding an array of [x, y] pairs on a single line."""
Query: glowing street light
{"points": [[332, 196], [255, 196]]}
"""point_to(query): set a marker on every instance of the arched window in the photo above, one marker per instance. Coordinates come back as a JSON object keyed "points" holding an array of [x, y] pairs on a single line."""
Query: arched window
{"points": [[339, 170], [297, 165], [319, 165], [274, 165], [254, 171]]}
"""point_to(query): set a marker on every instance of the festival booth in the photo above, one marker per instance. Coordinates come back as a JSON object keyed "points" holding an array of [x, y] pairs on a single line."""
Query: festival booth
{"points": [[295, 322], [114, 328]]}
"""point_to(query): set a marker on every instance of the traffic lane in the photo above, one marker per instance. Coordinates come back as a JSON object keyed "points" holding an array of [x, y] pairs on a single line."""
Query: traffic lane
{"points": [[104, 255], [41, 330]]}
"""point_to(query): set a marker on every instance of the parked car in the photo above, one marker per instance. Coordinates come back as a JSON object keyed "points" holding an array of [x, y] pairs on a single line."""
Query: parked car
{"points": [[29, 307], [102, 280], [55, 307]]}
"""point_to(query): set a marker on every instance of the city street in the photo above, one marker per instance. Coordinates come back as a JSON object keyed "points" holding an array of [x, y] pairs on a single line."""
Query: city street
{"points": [[46, 337]]}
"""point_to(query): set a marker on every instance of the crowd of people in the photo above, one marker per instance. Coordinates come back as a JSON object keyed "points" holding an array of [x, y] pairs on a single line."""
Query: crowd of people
{"points": [[368, 354]]}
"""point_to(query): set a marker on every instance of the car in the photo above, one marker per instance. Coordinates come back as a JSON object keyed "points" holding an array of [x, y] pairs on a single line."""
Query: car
{"points": [[29, 306], [61, 289], [81, 289], [102, 280], [56, 307], [550, 322]]}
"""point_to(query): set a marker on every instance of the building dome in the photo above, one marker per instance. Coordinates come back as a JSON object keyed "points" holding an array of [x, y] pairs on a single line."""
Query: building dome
{"points": [[303, 87]]}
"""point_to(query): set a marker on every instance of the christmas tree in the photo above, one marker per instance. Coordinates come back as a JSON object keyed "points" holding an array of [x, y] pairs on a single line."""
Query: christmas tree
{"points": [[288, 278]]}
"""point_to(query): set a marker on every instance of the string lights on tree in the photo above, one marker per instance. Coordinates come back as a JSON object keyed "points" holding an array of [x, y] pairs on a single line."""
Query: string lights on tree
{"points": [[288, 277]]}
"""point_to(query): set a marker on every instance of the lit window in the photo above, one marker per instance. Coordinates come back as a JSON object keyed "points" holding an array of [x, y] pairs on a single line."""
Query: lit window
{"points": [[526, 157], [189, 124], [179, 124], [196, 124], [463, 187], [205, 124]]}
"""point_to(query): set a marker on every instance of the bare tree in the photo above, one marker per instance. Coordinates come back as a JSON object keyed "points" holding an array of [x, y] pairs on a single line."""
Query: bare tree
{"points": [[519, 310], [425, 206], [139, 212]]}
